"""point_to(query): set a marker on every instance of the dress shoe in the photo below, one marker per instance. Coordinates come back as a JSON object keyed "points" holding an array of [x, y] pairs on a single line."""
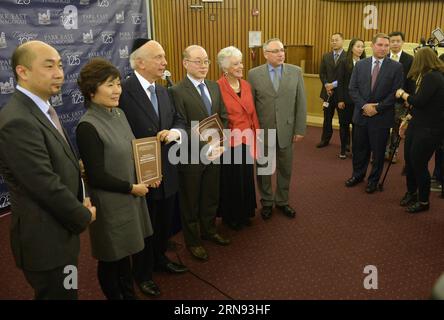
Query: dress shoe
{"points": [[418, 207], [199, 252], [218, 239], [149, 288], [371, 187], [172, 267], [408, 199], [287, 210], [233, 225], [266, 212], [352, 181], [322, 144]]}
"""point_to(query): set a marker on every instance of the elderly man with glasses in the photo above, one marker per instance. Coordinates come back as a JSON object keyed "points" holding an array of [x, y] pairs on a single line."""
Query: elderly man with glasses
{"points": [[196, 99], [279, 96]]}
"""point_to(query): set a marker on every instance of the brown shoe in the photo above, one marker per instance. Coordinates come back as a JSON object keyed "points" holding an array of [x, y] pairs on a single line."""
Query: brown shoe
{"points": [[218, 239], [199, 252]]}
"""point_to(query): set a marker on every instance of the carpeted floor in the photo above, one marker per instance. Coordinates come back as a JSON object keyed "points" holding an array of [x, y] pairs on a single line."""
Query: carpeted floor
{"points": [[319, 255]]}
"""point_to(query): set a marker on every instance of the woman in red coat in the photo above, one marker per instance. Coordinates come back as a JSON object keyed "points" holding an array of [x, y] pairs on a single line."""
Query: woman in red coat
{"points": [[237, 194]]}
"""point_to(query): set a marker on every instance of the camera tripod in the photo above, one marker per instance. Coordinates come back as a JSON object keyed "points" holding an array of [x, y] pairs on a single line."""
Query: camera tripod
{"points": [[392, 154]]}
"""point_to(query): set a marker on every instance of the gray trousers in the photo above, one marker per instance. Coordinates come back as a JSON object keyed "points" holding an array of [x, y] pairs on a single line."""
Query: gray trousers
{"points": [[283, 161]]}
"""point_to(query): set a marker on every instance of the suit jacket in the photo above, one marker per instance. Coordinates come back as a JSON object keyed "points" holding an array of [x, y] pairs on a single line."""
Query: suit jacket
{"points": [[329, 71], [284, 110], [406, 60], [144, 122], [190, 106], [42, 174], [344, 75], [390, 78], [241, 111]]}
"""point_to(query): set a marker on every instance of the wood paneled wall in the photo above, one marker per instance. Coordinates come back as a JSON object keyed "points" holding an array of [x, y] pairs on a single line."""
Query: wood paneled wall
{"points": [[310, 22]]}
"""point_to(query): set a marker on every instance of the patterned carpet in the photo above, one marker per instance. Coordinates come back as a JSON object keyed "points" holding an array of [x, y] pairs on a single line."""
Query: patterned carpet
{"points": [[319, 255]]}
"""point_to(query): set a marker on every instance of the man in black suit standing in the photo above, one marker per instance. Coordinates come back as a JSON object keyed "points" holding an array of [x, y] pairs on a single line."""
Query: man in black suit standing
{"points": [[42, 174], [150, 113], [196, 99], [372, 88], [397, 54], [329, 77]]}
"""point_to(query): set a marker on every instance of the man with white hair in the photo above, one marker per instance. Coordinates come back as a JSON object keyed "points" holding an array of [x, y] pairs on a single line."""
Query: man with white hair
{"points": [[150, 113]]}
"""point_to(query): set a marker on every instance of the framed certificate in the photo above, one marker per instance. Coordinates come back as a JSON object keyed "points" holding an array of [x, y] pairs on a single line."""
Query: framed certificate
{"points": [[147, 158], [211, 130]]}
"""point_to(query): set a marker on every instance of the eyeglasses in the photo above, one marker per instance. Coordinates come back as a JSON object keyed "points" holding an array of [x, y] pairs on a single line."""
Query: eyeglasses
{"points": [[276, 50], [200, 62]]}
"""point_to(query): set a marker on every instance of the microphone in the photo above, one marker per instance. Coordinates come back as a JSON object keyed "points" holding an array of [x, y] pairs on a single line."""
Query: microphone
{"points": [[422, 42], [166, 76]]}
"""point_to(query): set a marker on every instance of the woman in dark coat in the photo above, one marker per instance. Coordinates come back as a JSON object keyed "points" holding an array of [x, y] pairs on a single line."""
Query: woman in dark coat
{"points": [[355, 52]]}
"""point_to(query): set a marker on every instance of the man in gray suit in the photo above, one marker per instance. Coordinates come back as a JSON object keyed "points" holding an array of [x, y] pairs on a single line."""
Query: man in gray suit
{"points": [[42, 174], [278, 91]]}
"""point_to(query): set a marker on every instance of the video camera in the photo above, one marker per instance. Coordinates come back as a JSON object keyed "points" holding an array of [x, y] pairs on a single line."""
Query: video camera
{"points": [[436, 40]]}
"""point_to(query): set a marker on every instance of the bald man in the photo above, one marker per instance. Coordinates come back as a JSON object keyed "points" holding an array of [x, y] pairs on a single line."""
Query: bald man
{"points": [[196, 99], [43, 177], [150, 113]]}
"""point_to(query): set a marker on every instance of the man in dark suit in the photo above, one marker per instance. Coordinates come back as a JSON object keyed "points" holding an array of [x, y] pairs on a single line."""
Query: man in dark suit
{"points": [[42, 174], [372, 88], [150, 113], [196, 99], [329, 77], [397, 54]]}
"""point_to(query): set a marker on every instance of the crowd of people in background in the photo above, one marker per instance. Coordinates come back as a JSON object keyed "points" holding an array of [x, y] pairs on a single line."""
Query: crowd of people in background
{"points": [[379, 99]]}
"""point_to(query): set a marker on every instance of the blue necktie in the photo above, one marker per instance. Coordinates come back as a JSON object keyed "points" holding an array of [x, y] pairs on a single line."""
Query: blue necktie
{"points": [[154, 99], [276, 79], [205, 99]]}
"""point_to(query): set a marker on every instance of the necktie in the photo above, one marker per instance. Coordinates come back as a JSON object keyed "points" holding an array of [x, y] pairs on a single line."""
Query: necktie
{"points": [[375, 74], [336, 56], [152, 90], [276, 79], [395, 57], [53, 115], [205, 99]]}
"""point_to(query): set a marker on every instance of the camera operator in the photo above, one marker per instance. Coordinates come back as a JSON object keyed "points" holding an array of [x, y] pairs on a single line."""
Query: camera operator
{"points": [[425, 129]]}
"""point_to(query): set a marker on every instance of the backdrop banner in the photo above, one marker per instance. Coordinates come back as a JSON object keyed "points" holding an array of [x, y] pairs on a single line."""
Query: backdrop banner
{"points": [[79, 30]]}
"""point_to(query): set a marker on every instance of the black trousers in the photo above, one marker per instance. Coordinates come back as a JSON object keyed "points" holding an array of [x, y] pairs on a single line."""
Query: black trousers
{"points": [[327, 126], [366, 141], [345, 119], [161, 214], [115, 279], [199, 200], [419, 145], [49, 285], [143, 262]]}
